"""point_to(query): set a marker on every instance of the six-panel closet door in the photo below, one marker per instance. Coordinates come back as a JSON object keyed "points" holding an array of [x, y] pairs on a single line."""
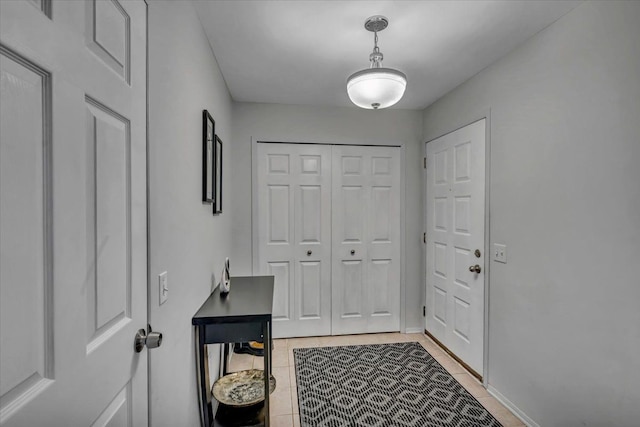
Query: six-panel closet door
{"points": [[328, 230], [294, 235], [365, 239]]}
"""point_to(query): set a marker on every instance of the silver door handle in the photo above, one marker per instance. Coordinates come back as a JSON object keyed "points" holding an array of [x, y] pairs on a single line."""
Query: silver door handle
{"points": [[309, 253], [151, 340], [475, 269], [353, 251]]}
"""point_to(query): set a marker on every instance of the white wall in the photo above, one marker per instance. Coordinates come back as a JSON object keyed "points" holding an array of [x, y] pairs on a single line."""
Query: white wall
{"points": [[564, 326], [274, 122], [185, 238]]}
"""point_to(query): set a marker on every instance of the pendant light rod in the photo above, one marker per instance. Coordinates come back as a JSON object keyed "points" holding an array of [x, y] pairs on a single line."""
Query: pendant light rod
{"points": [[376, 56], [374, 24]]}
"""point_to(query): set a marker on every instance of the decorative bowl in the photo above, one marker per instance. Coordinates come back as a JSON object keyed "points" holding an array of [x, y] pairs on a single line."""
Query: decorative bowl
{"points": [[243, 388]]}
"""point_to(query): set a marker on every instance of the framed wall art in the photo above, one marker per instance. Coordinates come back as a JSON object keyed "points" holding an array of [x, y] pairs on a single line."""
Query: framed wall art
{"points": [[208, 155], [217, 194]]}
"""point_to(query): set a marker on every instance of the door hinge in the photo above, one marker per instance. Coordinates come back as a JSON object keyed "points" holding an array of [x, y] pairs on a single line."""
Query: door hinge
{"points": [[424, 162], [424, 311], [424, 238]]}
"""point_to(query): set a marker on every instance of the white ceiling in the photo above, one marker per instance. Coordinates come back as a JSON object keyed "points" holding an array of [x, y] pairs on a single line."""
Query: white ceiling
{"points": [[301, 52]]}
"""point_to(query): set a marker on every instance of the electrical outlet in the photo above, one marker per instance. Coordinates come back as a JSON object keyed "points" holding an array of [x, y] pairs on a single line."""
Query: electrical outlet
{"points": [[163, 283], [500, 253]]}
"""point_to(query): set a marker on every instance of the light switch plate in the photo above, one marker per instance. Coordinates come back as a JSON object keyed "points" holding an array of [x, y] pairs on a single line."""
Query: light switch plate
{"points": [[163, 283], [500, 253]]}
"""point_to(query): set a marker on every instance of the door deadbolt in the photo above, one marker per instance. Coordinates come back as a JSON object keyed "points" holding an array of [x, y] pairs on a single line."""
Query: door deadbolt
{"points": [[151, 340], [353, 252], [309, 253], [477, 253], [475, 269]]}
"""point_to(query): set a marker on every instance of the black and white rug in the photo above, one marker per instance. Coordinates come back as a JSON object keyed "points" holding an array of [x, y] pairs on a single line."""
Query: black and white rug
{"points": [[381, 385]]}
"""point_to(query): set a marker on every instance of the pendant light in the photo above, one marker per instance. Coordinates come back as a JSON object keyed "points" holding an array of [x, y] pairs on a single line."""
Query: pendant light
{"points": [[376, 87]]}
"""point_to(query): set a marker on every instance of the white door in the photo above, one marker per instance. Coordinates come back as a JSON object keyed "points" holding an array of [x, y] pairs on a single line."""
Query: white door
{"points": [[455, 230], [366, 239], [73, 284], [294, 235]]}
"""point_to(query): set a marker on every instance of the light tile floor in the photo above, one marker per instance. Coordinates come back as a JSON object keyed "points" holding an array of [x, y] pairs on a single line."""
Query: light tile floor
{"points": [[284, 400]]}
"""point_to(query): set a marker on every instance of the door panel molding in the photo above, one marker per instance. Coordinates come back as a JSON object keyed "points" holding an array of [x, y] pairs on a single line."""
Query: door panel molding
{"points": [[27, 215]]}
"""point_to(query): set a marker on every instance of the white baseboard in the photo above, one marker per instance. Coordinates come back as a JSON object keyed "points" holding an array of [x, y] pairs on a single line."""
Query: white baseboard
{"points": [[513, 408], [416, 330]]}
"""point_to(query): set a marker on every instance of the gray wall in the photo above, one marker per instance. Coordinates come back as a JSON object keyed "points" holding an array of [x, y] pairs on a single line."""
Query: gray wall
{"points": [[565, 198], [290, 123], [185, 238]]}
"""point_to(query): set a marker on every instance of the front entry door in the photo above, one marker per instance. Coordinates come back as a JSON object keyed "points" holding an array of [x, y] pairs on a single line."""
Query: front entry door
{"points": [[455, 242], [73, 282]]}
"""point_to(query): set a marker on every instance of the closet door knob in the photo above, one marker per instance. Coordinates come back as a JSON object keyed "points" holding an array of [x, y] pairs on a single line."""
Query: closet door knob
{"points": [[475, 269], [309, 253], [353, 251]]}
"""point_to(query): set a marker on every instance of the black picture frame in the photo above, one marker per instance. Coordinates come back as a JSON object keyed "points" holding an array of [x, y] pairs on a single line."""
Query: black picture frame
{"points": [[208, 157], [217, 164]]}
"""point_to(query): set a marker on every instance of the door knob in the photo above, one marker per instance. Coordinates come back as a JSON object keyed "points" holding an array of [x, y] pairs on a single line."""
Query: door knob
{"points": [[475, 269], [309, 253], [151, 340], [353, 252]]}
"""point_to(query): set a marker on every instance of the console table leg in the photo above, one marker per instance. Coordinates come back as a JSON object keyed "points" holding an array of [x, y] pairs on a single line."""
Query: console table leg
{"points": [[202, 356], [225, 359], [266, 340]]}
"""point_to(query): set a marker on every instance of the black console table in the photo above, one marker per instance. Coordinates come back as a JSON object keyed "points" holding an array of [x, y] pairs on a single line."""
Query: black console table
{"points": [[243, 315]]}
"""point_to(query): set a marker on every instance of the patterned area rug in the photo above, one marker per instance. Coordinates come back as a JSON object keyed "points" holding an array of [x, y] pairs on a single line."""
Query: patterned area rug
{"points": [[381, 385]]}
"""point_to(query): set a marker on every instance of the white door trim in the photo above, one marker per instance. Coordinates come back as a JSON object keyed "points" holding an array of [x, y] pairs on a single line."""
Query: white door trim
{"points": [[254, 202], [148, 190], [484, 114]]}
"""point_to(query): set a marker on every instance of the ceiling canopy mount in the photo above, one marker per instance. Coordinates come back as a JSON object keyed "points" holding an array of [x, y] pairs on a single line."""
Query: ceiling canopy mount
{"points": [[376, 23]]}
